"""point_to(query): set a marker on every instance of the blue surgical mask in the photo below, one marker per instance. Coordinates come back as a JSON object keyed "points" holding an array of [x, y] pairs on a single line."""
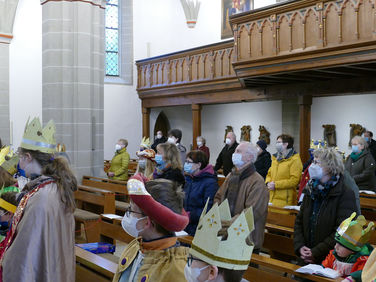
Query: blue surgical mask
{"points": [[159, 159], [237, 160], [315, 171], [188, 168], [366, 138], [355, 149]]}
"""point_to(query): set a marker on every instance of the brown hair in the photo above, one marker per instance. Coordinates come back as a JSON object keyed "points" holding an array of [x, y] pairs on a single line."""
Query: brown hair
{"points": [[169, 194], [124, 141], [287, 139], [57, 168], [6, 179], [171, 155], [198, 157]]}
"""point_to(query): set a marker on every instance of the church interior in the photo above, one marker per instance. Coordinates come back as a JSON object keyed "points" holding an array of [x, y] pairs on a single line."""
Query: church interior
{"points": [[120, 71]]}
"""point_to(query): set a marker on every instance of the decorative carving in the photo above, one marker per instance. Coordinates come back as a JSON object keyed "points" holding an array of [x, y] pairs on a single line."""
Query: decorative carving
{"points": [[330, 135], [227, 130], [245, 133], [355, 130], [264, 134]]}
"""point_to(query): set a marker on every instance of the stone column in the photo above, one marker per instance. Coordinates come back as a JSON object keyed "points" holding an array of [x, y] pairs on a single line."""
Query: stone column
{"points": [[7, 14], [73, 75]]}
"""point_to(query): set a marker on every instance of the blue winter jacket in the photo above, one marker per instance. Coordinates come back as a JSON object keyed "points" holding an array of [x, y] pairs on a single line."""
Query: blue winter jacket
{"points": [[197, 190]]}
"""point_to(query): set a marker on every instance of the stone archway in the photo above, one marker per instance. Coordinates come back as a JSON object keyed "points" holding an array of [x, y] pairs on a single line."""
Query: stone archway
{"points": [[162, 123]]}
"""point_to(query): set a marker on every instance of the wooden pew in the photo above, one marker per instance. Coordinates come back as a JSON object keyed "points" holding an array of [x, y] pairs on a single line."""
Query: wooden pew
{"points": [[91, 267], [368, 206], [117, 186], [102, 198], [220, 181]]}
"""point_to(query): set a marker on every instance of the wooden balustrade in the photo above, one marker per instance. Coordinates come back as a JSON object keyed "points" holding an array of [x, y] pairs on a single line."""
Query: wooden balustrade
{"points": [[207, 63], [330, 30]]}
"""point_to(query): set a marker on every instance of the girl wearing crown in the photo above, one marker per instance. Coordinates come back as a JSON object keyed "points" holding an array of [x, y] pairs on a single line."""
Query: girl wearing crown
{"points": [[40, 243]]}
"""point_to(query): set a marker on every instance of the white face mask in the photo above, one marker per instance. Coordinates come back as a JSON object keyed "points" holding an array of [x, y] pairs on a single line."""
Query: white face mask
{"points": [[228, 141], [237, 160], [142, 163], [117, 147], [192, 274], [171, 140], [129, 224], [199, 143], [279, 147], [315, 172], [159, 136]]}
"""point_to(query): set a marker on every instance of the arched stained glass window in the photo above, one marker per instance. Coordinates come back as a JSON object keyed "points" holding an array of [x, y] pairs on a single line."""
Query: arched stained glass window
{"points": [[112, 38]]}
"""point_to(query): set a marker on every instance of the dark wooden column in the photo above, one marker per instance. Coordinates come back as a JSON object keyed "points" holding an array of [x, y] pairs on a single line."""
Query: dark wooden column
{"points": [[305, 103], [145, 122], [196, 123]]}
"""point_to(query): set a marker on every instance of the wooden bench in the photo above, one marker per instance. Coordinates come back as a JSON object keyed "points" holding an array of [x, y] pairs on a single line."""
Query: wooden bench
{"points": [[368, 206], [102, 198], [117, 186]]}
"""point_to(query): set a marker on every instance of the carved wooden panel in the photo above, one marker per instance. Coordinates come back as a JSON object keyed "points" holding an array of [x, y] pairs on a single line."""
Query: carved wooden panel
{"points": [[303, 26]]}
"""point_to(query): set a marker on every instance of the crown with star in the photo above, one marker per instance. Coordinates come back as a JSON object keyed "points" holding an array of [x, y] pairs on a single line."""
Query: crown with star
{"points": [[8, 160], [37, 138], [231, 253]]}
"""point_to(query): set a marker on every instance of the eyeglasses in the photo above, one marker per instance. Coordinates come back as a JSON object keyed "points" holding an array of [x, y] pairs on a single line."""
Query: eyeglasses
{"points": [[128, 212], [190, 259]]}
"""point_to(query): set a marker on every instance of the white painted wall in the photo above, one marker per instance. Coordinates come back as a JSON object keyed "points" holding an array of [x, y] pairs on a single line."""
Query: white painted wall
{"points": [[25, 61], [341, 111]]}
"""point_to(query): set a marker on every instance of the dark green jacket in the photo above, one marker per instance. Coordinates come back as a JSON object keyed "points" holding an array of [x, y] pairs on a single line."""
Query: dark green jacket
{"points": [[337, 205], [363, 170]]}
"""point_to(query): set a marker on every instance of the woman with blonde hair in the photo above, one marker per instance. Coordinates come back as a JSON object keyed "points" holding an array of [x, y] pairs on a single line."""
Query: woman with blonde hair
{"points": [[168, 163], [40, 244], [361, 165], [146, 163], [327, 202]]}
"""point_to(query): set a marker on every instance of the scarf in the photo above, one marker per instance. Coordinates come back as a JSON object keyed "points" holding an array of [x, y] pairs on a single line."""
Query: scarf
{"points": [[159, 170], [234, 184], [355, 156], [280, 155]]}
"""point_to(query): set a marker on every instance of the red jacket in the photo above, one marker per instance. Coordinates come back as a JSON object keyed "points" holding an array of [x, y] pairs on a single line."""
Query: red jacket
{"points": [[205, 150]]}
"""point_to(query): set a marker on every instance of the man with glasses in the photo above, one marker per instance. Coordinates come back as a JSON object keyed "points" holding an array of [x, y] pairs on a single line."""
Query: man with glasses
{"points": [[155, 214]]}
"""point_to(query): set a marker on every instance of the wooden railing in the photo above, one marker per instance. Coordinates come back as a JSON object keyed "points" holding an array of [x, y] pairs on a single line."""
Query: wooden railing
{"points": [[206, 63], [307, 27]]}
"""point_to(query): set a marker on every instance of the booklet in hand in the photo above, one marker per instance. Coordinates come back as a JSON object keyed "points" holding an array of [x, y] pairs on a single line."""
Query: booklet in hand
{"points": [[318, 270]]}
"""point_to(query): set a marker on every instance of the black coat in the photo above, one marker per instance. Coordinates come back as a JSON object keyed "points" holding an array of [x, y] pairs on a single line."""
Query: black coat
{"points": [[338, 205], [158, 141], [225, 159], [263, 163], [372, 148], [172, 174], [363, 170]]}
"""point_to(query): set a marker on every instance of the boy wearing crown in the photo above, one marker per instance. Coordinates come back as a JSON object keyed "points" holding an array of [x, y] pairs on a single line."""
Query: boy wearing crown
{"points": [[351, 251], [156, 213], [213, 258]]}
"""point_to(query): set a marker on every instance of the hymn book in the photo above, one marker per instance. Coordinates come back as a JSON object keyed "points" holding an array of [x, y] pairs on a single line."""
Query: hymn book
{"points": [[318, 270]]}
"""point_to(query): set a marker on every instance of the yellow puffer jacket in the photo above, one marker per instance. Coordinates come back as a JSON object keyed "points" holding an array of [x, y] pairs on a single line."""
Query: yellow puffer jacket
{"points": [[286, 175], [119, 165]]}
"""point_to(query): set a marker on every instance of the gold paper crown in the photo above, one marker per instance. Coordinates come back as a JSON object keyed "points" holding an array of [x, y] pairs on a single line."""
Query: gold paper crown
{"points": [[60, 148], [145, 143], [351, 233], [232, 253], [8, 160], [317, 144], [37, 138]]}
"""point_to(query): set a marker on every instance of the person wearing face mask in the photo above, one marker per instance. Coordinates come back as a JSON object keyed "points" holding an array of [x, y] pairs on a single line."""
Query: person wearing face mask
{"points": [[159, 139], [156, 213], [361, 165], [119, 163], [174, 137], [40, 243], [368, 136], [264, 159], [327, 202], [284, 174], [201, 183], [168, 165], [244, 188], [146, 163], [201, 145], [224, 159], [214, 257]]}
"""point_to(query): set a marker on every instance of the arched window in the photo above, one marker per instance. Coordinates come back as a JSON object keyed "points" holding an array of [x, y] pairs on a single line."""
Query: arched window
{"points": [[119, 41]]}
